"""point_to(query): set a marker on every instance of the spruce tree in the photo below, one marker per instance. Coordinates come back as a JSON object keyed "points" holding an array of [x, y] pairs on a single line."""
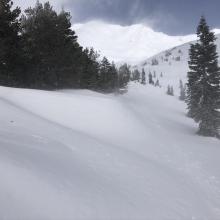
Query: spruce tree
{"points": [[10, 51], [204, 82], [143, 77], [150, 78], [50, 47], [182, 87], [193, 86]]}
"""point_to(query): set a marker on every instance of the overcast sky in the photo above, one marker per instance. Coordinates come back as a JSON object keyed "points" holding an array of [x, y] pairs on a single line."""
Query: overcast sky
{"points": [[174, 17]]}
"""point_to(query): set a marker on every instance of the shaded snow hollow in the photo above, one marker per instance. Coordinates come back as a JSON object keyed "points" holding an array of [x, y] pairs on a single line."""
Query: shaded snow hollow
{"points": [[83, 155]]}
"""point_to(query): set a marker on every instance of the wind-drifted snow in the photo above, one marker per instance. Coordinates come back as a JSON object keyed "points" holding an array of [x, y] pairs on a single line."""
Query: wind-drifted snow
{"points": [[83, 155]]}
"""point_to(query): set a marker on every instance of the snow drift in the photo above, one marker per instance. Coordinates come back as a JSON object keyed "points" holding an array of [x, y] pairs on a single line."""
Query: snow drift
{"points": [[84, 155]]}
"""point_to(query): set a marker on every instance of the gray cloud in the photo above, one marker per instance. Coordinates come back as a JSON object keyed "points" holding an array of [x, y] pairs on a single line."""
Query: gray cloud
{"points": [[170, 16]]}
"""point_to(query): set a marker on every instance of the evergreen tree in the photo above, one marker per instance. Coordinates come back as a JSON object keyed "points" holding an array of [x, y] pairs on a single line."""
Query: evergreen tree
{"points": [[136, 75], [157, 84], [150, 78], [204, 82], [182, 87], [170, 90], [124, 75], [10, 50], [50, 47], [193, 86], [143, 77]]}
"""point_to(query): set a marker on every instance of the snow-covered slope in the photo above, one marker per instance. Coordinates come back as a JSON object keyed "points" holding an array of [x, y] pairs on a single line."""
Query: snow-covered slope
{"points": [[82, 155], [126, 43], [130, 44], [172, 63]]}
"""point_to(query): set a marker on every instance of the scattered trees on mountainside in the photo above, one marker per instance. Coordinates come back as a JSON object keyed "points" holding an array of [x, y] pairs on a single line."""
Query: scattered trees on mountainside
{"points": [[41, 51], [203, 87]]}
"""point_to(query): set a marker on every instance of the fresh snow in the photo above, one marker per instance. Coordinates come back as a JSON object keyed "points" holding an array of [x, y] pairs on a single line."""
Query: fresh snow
{"points": [[173, 70], [129, 44], [78, 154]]}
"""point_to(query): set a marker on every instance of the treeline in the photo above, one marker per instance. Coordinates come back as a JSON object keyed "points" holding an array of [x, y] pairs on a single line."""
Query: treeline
{"points": [[40, 50]]}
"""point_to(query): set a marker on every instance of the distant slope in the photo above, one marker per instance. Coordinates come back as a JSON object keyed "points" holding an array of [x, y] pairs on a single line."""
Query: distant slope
{"points": [[172, 63], [83, 155], [126, 43]]}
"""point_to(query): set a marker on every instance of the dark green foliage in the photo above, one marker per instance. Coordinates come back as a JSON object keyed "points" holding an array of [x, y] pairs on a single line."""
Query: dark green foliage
{"points": [[203, 88], [150, 79], [41, 51], [10, 50], [170, 90], [143, 77], [50, 47], [182, 87], [108, 76], [124, 75], [157, 84], [136, 75]]}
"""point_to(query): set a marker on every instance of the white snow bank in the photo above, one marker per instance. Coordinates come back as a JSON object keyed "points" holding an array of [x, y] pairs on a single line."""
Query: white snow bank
{"points": [[83, 155]]}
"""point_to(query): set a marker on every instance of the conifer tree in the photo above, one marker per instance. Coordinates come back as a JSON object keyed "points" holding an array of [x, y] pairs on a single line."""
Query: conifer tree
{"points": [[10, 52], [157, 84], [150, 78], [124, 75], [193, 87], [203, 92], [168, 90], [171, 91], [143, 77], [50, 47], [182, 87]]}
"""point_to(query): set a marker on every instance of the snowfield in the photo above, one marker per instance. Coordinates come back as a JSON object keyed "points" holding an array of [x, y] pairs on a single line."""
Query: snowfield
{"points": [[82, 155], [130, 44], [172, 63]]}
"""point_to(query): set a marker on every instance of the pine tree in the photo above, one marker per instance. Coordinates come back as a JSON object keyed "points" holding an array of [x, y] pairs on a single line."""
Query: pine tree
{"points": [[50, 47], [193, 87], [143, 77], [124, 75], [150, 78], [10, 50], [168, 90], [136, 75], [171, 91], [157, 84], [182, 87], [203, 90]]}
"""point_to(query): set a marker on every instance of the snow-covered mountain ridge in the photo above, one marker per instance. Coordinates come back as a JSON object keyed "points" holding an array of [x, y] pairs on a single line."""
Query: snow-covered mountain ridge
{"points": [[130, 44], [172, 63], [126, 43]]}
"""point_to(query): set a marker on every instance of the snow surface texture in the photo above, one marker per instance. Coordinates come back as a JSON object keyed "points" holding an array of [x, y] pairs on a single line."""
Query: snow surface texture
{"points": [[173, 64], [130, 44], [83, 155]]}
